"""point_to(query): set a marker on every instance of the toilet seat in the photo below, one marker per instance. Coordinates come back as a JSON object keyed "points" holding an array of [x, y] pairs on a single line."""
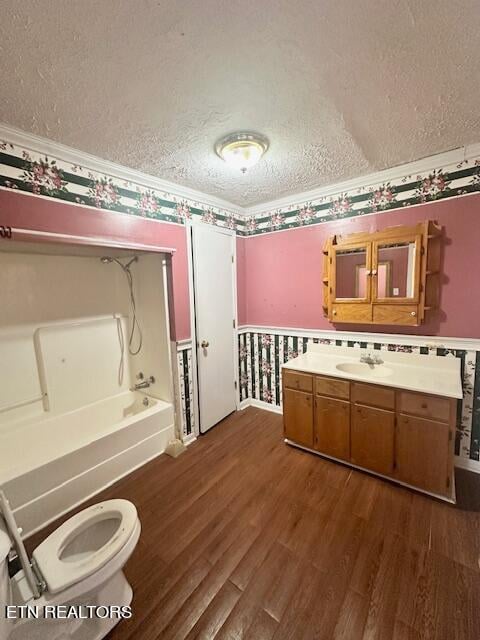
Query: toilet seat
{"points": [[85, 543]]}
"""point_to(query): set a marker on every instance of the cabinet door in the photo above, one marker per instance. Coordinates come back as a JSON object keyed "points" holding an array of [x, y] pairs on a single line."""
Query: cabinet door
{"points": [[332, 427], [298, 416], [351, 273], [372, 439], [423, 448], [396, 269]]}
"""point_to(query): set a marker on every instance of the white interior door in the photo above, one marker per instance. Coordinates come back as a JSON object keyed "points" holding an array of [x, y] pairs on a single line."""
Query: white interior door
{"points": [[215, 311]]}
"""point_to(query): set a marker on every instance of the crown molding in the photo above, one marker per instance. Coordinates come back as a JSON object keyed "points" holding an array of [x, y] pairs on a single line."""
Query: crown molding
{"points": [[428, 163], [68, 154]]}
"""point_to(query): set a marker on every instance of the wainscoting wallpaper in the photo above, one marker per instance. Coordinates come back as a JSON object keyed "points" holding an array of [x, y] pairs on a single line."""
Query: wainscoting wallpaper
{"points": [[262, 354], [185, 389]]}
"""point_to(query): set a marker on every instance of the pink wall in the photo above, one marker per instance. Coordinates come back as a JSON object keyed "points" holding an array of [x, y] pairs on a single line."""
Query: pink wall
{"points": [[41, 214], [241, 282], [279, 276]]}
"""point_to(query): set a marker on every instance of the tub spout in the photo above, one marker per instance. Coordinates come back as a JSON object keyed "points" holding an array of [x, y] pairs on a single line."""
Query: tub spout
{"points": [[143, 384]]}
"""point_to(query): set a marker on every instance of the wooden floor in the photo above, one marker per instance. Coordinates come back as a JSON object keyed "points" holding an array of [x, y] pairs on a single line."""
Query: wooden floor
{"points": [[246, 537]]}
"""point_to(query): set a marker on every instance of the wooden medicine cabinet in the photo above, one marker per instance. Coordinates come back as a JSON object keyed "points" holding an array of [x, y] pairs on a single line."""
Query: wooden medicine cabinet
{"points": [[385, 277]]}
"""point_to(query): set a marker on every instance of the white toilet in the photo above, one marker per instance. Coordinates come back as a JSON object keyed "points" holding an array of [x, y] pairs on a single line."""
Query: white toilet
{"points": [[80, 563]]}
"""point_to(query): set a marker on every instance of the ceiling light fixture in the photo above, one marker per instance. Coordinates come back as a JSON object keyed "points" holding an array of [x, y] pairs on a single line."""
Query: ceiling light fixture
{"points": [[241, 150]]}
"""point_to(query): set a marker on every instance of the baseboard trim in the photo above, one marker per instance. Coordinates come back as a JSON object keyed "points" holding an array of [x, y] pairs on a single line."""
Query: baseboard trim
{"points": [[259, 404], [188, 440]]}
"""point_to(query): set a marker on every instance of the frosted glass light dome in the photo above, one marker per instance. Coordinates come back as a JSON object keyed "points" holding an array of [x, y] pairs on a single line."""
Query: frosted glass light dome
{"points": [[241, 150]]}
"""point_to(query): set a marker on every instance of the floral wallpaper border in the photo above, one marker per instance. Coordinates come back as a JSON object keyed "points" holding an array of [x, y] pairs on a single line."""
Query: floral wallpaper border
{"points": [[26, 170], [43, 175], [262, 354], [456, 180]]}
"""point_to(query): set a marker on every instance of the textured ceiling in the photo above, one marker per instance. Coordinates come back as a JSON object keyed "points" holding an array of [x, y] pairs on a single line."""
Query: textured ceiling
{"points": [[341, 88]]}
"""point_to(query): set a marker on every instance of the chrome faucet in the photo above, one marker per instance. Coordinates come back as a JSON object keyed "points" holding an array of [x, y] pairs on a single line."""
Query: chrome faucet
{"points": [[144, 382], [371, 360]]}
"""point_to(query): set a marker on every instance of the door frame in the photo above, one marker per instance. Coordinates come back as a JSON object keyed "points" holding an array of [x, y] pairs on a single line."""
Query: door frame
{"points": [[189, 224]]}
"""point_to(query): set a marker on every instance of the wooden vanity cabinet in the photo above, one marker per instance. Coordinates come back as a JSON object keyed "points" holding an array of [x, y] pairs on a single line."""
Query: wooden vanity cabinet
{"points": [[404, 436]]}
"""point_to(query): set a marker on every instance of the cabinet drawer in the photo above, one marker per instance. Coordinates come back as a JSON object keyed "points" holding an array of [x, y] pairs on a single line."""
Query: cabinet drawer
{"points": [[295, 380], [351, 312], [332, 387], [372, 395], [418, 404]]}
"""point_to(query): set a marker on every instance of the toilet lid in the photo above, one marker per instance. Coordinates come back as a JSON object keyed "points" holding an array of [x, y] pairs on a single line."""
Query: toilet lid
{"points": [[82, 531], [14, 533]]}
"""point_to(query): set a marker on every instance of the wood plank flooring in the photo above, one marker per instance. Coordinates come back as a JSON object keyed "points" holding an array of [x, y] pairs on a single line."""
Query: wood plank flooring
{"points": [[246, 537]]}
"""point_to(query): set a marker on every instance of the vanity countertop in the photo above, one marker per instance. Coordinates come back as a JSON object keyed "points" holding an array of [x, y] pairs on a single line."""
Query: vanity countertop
{"points": [[435, 375]]}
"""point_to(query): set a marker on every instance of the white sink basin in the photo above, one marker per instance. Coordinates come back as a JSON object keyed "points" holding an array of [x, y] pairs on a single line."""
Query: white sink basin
{"points": [[365, 370]]}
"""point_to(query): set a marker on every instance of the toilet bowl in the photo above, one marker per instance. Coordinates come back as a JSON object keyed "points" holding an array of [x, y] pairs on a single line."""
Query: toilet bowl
{"points": [[80, 563]]}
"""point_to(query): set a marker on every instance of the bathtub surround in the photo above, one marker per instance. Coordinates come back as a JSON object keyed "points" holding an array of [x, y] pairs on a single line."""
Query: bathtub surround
{"points": [[271, 258], [65, 403]]}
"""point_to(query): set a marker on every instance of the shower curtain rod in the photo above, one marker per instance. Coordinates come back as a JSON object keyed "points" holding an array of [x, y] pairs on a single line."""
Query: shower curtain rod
{"points": [[32, 235]]}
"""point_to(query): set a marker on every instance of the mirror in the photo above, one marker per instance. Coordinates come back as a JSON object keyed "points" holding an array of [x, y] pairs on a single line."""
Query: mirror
{"points": [[396, 270], [351, 278]]}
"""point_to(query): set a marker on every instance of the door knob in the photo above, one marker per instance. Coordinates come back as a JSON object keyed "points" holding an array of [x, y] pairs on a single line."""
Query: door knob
{"points": [[205, 344]]}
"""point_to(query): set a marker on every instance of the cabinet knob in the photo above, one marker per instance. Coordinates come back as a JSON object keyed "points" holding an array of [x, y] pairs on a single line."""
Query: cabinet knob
{"points": [[413, 313], [205, 344], [374, 272], [334, 312]]}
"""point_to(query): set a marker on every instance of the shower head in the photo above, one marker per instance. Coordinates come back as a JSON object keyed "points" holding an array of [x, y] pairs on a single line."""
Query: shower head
{"points": [[134, 323]]}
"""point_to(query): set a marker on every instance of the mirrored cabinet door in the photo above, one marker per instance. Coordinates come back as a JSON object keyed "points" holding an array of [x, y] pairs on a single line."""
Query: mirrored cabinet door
{"points": [[352, 273], [395, 270]]}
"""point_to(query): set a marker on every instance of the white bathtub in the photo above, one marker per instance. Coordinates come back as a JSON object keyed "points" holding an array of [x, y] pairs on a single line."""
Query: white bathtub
{"points": [[52, 463]]}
